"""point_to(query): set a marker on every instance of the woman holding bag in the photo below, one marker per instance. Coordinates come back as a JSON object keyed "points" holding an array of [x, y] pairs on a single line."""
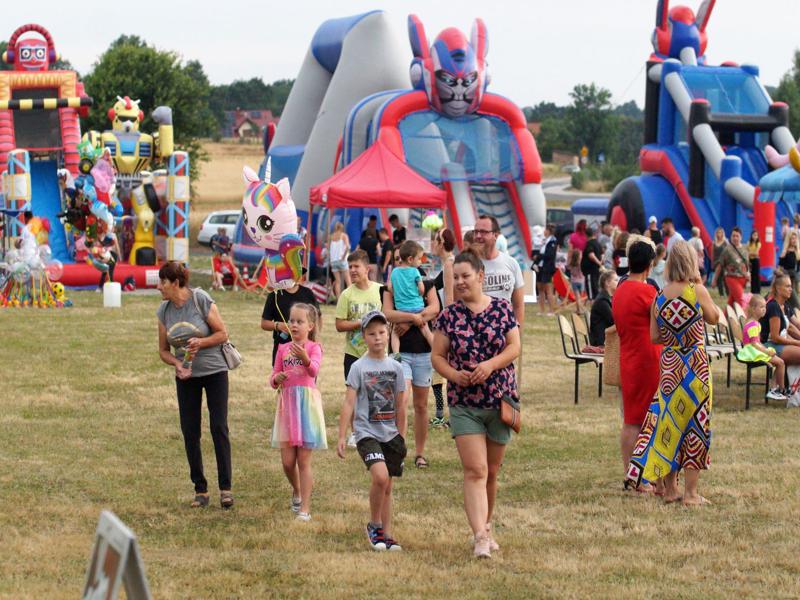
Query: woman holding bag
{"points": [[189, 322], [475, 343]]}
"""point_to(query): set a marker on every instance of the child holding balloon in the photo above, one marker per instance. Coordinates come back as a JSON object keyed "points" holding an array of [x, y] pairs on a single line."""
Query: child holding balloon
{"points": [[299, 424]]}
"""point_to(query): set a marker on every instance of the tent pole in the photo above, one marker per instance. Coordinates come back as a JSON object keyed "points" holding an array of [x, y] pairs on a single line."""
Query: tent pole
{"points": [[307, 241]]}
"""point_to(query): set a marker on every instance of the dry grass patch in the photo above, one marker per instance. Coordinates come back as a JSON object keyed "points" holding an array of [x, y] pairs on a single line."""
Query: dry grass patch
{"points": [[89, 422]]}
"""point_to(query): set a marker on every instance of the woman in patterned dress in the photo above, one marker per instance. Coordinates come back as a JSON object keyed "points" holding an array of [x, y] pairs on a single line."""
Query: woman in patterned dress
{"points": [[676, 433], [476, 340]]}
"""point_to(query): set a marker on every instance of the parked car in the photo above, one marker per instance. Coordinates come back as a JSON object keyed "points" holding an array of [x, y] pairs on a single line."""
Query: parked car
{"points": [[215, 220], [571, 169]]}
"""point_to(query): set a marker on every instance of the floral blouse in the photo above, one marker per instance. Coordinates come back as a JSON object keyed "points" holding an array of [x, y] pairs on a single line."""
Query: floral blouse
{"points": [[475, 338]]}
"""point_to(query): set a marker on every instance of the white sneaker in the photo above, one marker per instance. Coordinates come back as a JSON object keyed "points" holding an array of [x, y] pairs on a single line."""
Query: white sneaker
{"points": [[351, 441], [482, 547], [776, 394], [493, 545], [304, 517]]}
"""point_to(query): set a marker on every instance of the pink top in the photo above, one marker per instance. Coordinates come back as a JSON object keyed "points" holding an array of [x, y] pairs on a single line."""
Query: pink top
{"points": [[299, 375], [752, 332], [578, 240]]}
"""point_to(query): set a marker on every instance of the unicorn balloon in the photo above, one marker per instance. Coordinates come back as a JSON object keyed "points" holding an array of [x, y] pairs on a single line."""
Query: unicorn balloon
{"points": [[270, 219]]}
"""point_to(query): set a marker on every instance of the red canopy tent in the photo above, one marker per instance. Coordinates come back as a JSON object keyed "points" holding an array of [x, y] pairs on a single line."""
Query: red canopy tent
{"points": [[376, 179]]}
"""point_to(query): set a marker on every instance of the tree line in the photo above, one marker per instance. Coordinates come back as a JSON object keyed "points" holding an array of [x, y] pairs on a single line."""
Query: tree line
{"points": [[130, 66]]}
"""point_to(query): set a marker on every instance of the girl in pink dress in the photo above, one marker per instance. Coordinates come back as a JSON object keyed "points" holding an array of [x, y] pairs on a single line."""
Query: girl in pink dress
{"points": [[299, 421]]}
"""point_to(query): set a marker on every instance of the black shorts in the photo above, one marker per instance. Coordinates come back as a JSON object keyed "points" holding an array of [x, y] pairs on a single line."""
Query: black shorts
{"points": [[349, 359], [392, 453]]}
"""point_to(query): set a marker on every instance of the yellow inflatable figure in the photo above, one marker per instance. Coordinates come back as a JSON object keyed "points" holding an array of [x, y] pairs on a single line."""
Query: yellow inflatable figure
{"points": [[132, 151]]}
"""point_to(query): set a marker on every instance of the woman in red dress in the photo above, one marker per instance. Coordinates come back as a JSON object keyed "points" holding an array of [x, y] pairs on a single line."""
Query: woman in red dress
{"points": [[638, 356]]}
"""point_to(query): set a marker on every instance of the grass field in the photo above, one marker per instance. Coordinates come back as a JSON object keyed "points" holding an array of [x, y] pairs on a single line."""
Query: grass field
{"points": [[90, 422]]}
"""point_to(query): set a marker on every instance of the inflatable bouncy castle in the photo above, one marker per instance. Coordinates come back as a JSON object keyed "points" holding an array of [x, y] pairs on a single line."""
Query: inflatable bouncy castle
{"points": [[86, 191], [708, 131], [436, 117]]}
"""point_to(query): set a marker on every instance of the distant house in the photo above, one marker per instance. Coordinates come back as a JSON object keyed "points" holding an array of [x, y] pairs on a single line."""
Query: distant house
{"points": [[247, 124]]}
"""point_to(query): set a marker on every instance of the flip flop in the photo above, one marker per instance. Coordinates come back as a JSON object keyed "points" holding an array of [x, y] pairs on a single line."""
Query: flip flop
{"points": [[420, 462], [673, 500]]}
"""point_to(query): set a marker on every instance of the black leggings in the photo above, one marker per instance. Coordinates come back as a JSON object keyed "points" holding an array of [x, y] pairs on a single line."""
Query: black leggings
{"points": [[190, 407], [439, 397]]}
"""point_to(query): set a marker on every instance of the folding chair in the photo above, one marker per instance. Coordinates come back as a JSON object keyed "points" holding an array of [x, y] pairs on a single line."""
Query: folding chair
{"points": [[571, 351]]}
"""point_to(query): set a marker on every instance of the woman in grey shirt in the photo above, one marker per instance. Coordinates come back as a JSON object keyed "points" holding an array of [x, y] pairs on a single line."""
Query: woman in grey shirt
{"points": [[189, 322]]}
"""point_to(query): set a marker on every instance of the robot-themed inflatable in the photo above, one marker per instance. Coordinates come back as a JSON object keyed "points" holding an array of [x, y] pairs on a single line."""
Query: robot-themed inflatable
{"points": [[87, 189], [708, 131], [355, 88]]}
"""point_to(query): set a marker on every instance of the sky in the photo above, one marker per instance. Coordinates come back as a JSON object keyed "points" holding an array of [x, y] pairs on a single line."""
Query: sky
{"points": [[538, 50]]}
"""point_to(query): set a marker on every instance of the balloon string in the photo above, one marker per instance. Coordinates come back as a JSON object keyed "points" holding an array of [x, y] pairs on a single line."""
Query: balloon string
{"points": [[281, 314]]}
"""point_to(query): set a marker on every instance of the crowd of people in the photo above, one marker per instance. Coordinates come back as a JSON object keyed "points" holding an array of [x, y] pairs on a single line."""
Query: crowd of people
{"points": [[401, 337], [405, 332]]}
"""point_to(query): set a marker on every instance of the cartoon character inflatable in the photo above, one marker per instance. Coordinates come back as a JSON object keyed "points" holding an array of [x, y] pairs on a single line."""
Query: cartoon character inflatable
{"points": [[679, 30], [31, 54], [452, 71], [270, 219]]}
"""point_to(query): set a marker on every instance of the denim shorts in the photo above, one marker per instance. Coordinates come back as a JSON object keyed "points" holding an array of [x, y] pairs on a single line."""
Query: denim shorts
{"points": [[577, 286], [777, 347], [417, 368], [338, 265]]}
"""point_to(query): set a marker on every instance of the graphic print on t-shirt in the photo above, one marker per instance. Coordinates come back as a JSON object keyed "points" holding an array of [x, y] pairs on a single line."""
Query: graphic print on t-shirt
{"points": [[498, 281], [354, 313], [380, 387]]}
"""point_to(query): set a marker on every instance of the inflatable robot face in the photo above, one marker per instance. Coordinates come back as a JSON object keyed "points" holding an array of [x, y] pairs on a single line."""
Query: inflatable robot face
{"points": [[679, 28], [31, 55], [453, 70], [125, 115], [268, 211]]}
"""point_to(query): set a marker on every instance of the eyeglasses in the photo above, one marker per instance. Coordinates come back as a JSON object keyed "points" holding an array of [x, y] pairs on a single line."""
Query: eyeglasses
{"points": [[483, 231]]}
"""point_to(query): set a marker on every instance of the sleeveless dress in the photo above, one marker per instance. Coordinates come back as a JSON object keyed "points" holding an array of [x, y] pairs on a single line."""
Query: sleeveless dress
{"points": [[676, 432]]}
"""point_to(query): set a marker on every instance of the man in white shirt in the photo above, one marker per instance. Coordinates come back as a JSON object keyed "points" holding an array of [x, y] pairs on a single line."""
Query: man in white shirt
{"points": [[670, 232], [502, 273]]}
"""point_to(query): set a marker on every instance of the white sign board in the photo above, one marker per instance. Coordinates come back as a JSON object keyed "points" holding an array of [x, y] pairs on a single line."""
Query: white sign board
{"points": [[115, 559]]}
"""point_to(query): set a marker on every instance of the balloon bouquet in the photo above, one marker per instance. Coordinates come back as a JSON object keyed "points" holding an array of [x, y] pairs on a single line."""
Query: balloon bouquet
{"points": [[270, 219], [29, 273], [91, 202]]}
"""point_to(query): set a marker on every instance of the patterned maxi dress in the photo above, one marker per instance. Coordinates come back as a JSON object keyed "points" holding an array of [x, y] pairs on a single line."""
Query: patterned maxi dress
{"points": [[676, 432]]}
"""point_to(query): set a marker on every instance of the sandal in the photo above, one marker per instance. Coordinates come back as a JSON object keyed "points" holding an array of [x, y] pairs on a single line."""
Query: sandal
{"points": [[200, 501], [226, 499], [420, 462]]}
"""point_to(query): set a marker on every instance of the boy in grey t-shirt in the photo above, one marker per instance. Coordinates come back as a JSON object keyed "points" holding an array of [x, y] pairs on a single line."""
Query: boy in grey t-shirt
{"points": [[375, 387]]}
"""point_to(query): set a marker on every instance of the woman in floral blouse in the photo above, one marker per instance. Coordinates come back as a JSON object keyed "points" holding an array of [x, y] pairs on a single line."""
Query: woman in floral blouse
{"points": [[476, 341]]}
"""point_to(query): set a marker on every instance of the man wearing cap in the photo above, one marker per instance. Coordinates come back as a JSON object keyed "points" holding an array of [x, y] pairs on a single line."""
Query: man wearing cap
{"points": [[655, 233]]}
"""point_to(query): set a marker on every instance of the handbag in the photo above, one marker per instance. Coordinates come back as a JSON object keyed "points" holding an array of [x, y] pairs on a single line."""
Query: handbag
{"points": [[232, 357], [510, 413], [611, 358]]}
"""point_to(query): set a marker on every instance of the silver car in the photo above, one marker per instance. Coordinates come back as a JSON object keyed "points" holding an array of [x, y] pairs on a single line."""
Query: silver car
{"points": [[219, 218]]}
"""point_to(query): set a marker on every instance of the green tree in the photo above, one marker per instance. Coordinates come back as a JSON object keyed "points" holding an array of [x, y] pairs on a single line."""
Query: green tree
{"points": [[131, 67], [588, 116], [251, 94], [789, 91]]}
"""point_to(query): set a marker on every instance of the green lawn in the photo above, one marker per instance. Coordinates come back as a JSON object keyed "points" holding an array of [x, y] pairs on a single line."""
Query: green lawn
{"points": [[89, 422]]}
